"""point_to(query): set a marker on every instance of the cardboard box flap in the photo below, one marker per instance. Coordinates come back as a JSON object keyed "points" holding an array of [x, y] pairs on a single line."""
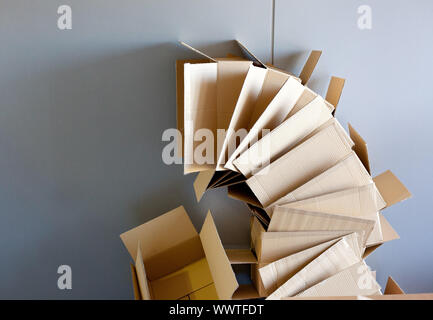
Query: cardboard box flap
{"points": [[197, 51], [285, 137], [346, 283], [391, 188], [251, 89], [241, 49], [241, 256], [201, 183], [276, 273], [347, 173], [270, 118], [288, 219], [309, 66], [135, 286], [388, 231], [388, 234], [200, 112], [307, 160], [392, 287], [231, 75], [164, 243], [334, 91], [180, 99], [335, 259], [360, 147], [248, 55], [141, 276], [219, 265], [271, 246]]}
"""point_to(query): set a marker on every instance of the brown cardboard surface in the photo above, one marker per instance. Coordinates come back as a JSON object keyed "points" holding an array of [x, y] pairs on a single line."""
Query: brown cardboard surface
{"points": [[355, 280], [360, 147], [257, 280], [241, 256], [335, 259], [231, 75], [275, 113], [180, 97], [276, 273], [388, 234], [142, 280], [288, 219], [362, 202], [283, 138], [168, 242], [347, 173], [245, 104], [135, 285], [219, 265], [334, 91], [202, 182], [190, 278], [200, 109], [392, 287], [306, 161], [391, 188], [206, 293], [271, 246], [246, 291], [309, 66]]}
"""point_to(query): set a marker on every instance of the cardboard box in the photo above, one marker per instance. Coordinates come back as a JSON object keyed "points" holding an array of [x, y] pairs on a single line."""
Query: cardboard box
{"points": [[301, 164], [283, 138], [229, 93], [172, 260]]}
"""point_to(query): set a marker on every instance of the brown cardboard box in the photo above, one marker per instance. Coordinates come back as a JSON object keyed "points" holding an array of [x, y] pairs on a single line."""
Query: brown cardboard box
{"points": [[172, 260], [231, 93]]}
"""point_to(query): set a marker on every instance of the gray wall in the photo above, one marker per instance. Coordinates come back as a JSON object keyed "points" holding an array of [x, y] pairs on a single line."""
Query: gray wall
{"points": [[83, 110]]}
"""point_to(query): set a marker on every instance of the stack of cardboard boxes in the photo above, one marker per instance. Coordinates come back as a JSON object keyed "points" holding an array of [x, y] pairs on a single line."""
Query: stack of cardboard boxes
{"points": [[276, 146]]}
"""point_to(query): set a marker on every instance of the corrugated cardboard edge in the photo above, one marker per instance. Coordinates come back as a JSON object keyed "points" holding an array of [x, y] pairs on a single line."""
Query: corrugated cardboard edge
{"points": [[335, 89], [391, 188], [360, 147], [219, 264], [392, 287], [135, 286], [309, 66], [141, 276]]}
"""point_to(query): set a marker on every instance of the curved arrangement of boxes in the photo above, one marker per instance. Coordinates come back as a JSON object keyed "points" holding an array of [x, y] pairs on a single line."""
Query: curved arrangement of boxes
{"points": [[315, 208]]}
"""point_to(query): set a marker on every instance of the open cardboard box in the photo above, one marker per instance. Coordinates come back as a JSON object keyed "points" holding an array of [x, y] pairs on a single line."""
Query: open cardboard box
{"points": [[389, 186], [238, 91], [173, 261]]}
